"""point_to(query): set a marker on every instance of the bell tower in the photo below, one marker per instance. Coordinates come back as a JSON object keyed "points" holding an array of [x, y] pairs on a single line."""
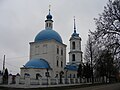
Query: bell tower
{"points": [[75, 54]]}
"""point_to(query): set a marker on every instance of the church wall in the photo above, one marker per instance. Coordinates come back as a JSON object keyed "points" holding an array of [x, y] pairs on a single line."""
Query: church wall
{"points": [[71, 74], [58, 58], [50, 54], [44, 50], [32, 72]]}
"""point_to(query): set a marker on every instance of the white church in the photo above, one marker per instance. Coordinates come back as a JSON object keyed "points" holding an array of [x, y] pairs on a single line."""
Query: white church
{"points": [[48, 54], [47, 66]]}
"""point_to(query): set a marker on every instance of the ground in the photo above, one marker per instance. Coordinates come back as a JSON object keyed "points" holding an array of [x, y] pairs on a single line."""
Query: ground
{"points": [[101, 87], [115, 86]]}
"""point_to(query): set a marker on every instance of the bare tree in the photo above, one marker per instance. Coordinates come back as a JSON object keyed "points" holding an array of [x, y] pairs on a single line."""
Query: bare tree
{"points": [[108, 28], [107, 34], [90, 54]]}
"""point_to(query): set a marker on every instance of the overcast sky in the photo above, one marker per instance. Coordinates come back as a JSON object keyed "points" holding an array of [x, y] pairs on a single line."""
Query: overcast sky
{"points": [[22, 20]]}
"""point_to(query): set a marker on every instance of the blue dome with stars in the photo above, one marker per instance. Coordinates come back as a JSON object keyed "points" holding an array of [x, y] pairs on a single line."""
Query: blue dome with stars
{"points": [[48, 34], [37, 63]]}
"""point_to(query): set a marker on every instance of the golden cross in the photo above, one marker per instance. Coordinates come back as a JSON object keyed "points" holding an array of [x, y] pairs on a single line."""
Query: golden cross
{"points": [[49, 7]]}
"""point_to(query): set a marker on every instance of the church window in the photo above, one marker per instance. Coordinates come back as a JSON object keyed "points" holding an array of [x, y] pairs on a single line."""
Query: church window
{"points": [[73, 45], [73, 57], [57, 63], [50, 25], [70, 75], [46, 24], [44, 48], [56, 76], [26, 74], [62, 52], [79, 45], [36, 50], [73, 75], [38, 75], [61, 64], [57, 50], [57, 58]]}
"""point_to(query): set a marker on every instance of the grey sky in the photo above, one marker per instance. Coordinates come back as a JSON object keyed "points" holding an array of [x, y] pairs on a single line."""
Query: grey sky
{"points": [[21, 20]]}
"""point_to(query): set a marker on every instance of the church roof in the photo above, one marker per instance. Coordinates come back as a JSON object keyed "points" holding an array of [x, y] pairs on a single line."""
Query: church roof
{"points": [[48, 34], [37, 63], [71, 67], [75, 34]]}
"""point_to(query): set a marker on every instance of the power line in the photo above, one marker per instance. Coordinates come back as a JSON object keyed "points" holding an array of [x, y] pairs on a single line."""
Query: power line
{"points": [[9, 64], [17, 57], [12, 65]]}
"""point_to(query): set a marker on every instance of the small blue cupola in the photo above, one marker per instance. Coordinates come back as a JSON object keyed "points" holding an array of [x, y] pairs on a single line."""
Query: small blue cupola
{"points": [[49, 21], [49, 16], [48, 33]]}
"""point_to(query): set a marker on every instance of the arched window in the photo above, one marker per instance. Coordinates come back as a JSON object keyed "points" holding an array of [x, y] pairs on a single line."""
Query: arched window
{"points": [[57, 50], [37, 50], [37, 76], [26, 74], [57, 63], [44, 48], [73, 57], [56, 76], [73, 45], [61, 51], [70, 75], [50, 25], [61, 64], [46, 24], [73, 75]]}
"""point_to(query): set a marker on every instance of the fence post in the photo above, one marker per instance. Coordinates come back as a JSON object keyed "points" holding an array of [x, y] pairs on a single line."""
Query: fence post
{"points": [[63, 80], [27, 80], [9, 79], [57, 81], [1, 79], [17, 79], [40, 80]]}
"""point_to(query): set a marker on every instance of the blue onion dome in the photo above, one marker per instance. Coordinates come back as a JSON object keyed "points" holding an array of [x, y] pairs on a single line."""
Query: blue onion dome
{"points": [[49, 16], [48, 34], [37, 63]]}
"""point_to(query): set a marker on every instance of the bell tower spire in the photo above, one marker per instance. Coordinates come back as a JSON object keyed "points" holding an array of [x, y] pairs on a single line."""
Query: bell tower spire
{"points": [[74, 33], [49, 9], [49, 21], [74, 25]]}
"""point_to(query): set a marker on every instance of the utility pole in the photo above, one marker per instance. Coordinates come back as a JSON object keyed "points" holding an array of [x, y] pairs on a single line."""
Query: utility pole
{"points": [[4, 65], [91, 55]]}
